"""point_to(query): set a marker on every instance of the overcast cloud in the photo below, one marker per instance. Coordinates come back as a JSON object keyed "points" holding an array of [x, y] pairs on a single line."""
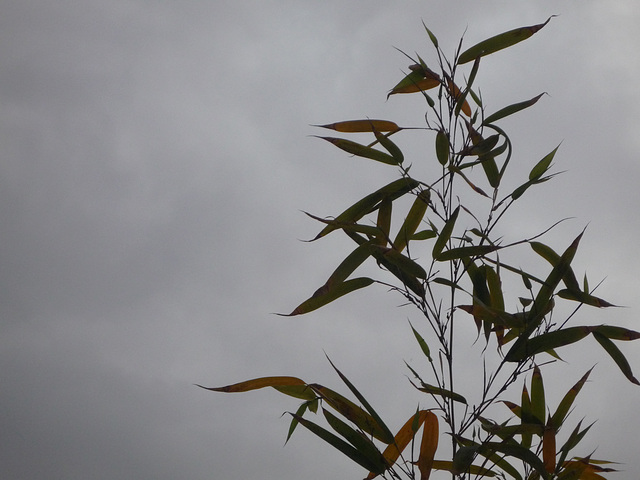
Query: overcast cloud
{"points": [[155, 157]]}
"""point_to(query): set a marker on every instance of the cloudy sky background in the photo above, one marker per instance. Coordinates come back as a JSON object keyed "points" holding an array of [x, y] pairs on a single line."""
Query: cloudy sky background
{"points": [[155, 157]]}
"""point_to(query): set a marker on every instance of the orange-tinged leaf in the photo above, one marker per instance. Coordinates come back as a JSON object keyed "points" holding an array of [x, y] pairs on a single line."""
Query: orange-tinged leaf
{"points": [[429, 445], [366, 125], [257, 383], [457, 94], [414, 82], [549, 449]]}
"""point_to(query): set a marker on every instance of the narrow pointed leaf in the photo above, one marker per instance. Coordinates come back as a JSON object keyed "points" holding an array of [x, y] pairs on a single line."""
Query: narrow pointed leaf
{"points": [[463, 252], [543, 165], [361, 150], [384, 221], [433, 390], [366, 125], [553, 258], [463, 458], [510, 110], [499, 42], [385, 434], [339, 444], [347, 226], [346, 268], [257, 383], [617, 356], [424, 235], [432, 37], [391, 147], [445, 234], [520, 452], [336, 292], [549, 449], [582, 297], [365, 446], [294, 421], [414, 82], [423, 345], [538, 405], [546, 342], [559, 416], [472, 469], [413, 220], [369, 203], [402, 262], [429, 445], [526, 417], [616, 333]]}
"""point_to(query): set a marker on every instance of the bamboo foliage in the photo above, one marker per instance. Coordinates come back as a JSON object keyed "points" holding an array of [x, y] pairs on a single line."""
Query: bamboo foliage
{"points": [[447, 260]]}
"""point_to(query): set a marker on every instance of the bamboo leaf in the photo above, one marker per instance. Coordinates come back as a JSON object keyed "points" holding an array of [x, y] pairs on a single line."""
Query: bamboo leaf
{"points": [[445, 234], [371, 202], [294, 421], [617, 356], [384, 221], [442, 147], [526, 417], [553, 258], [519, 452], [361, 150], [429, 445], [347, 226], [365, 446], [464, 252], [546, 342], [583, 297], [382, 430], [415, 81], [391, 147], [402, 262], [499, 42], [257, 383], [424, 235], [366, 125], [510, 110], [616, 333], [559, 416], [433, 390], [339, 444], [538, 406], [472, 469], [422, 343], [542, 166], [413, 220], [549, 449], [336, 291]]}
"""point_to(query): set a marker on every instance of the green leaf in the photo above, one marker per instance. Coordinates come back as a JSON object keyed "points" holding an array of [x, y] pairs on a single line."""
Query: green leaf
{"points": [[510, 110], [402, 262], [442, 147], [616, 333], [559, 416], [365, 446], [538, 405], [499, 42], [463, 458], [391, 147], [422, 343], [445, 234], [366, 125], [617, 356], [346, 268], [361, 150], [413, 220], [371, 202], [415, 82], [334, 293], [384, 221], [553, 258], [519, 452], [294, 421], [424, 235], [385, 434], [463, 252], [442, 392], [335, 441], [542, 166], [546, 342], [432, 37], [583, 297]]}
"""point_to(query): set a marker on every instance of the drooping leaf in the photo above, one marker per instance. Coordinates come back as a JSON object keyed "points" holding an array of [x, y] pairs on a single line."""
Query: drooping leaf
{"points": [[347, 226], [334, 293], [519, 452], [385, 434], [352, 412], [616, 333], [583, 297], [442, 147], [499, 42], [369, 203], [510, 110], [360, 150], [339, 444], [365, 446], [402, 262], [384, 221], [391, 147], [423, 344], [429, 445], [366, 125], [617, 356]]}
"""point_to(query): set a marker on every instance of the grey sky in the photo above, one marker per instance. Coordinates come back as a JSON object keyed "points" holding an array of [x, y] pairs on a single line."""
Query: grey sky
{"points": [[155, 157]]}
